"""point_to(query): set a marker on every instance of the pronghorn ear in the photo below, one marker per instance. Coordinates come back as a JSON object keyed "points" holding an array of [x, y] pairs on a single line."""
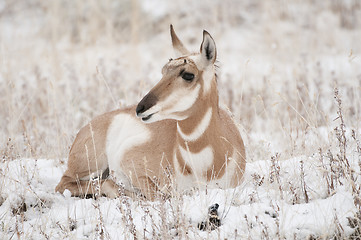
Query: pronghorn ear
{"points": [[178, 46], [208, 49]]}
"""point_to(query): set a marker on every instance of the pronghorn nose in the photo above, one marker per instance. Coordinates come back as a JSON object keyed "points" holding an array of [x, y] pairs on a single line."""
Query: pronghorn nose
{"points": [[140, 108], [146, 103]]}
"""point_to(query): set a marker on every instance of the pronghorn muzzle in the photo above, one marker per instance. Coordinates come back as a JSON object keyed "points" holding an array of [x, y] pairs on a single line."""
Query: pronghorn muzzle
{"points": [[144, 105]]}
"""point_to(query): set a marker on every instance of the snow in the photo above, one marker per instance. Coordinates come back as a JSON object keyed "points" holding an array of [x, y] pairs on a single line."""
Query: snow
{"points": [[61, 64], [250, 210]]}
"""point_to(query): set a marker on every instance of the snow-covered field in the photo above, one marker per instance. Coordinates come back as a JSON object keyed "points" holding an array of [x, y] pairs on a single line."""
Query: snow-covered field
{"points": [[290, 72]]}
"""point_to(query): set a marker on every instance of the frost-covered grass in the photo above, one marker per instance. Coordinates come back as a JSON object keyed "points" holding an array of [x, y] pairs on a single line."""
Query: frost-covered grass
{"points": [[279, 199], [289, 71]]}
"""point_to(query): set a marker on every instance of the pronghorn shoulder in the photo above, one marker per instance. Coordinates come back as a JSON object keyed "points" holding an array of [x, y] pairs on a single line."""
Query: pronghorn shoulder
{"points": [[98, 127], [91, 139], [101, 123]]}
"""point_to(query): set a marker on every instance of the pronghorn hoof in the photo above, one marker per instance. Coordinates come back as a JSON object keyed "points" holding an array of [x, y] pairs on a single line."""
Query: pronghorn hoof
{"points": [[213, 220]]}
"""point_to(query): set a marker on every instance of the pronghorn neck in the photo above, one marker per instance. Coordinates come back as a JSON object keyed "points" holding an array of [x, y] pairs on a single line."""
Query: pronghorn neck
{"points": [[204, 119], [198, 149]]}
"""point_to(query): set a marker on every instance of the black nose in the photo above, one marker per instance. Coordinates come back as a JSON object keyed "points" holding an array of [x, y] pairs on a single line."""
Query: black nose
{"points": [[147, 102], [140, 108]]}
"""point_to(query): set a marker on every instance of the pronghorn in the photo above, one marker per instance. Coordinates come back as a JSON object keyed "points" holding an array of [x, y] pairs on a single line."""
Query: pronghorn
{"points": [[176, 137]]}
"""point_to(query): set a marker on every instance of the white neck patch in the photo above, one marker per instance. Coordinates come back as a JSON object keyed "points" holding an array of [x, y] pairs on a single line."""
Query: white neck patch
{"points": [[199, 130], [199, 162]]}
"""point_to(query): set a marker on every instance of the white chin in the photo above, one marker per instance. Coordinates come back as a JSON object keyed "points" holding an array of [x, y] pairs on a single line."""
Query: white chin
{"points": [[158, 117], [151, 119]]}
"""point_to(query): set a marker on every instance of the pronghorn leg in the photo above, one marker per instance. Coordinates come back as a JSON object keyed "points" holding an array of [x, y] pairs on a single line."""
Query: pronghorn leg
{"points": [[81, 188], [112, 190]]}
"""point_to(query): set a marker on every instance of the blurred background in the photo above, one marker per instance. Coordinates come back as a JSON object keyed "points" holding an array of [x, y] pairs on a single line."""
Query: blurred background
{"points": [[64, 62]]}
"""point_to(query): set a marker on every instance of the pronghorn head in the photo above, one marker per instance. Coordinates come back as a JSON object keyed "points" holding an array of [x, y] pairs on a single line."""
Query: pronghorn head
{"points": [[186, 80]]}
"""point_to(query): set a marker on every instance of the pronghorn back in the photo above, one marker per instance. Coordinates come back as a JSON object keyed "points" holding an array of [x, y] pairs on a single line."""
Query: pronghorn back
{"points": [[177, 137]]}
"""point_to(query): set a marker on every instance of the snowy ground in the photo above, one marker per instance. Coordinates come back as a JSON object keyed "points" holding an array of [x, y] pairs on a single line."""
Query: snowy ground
{"points": [[272, 203], [63, 63]]}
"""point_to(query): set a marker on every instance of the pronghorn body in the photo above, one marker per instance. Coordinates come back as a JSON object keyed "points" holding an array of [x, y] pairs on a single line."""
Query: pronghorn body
{"points": [[177, 136]]}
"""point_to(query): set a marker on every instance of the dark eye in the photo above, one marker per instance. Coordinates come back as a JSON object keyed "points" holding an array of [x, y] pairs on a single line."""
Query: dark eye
{"points": [[188, 76]]}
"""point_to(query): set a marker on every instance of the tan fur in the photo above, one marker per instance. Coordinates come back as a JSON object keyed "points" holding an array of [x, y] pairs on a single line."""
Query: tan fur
{"points": [[144, 161], [87, 155], [150, 166], [222, 135]]}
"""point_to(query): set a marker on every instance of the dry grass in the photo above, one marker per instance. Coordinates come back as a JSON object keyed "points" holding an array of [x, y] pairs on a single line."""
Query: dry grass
{"points": [[79, 60], [64, 62]]}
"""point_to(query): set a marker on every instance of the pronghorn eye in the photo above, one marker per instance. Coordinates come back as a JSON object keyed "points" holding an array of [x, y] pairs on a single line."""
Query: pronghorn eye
{"points": [[188, 76]]}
